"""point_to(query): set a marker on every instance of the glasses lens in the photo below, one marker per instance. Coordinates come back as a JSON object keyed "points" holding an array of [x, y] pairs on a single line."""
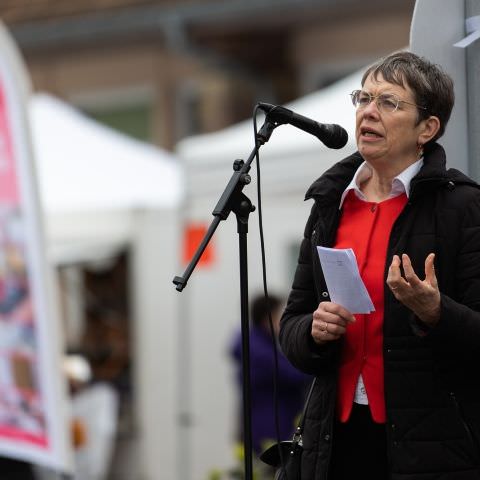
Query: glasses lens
{"points": [[354, 96], [387, 103], [360, 98], [364, 99]]}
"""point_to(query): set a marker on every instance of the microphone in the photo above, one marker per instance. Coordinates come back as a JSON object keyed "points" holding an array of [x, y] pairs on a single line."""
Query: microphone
{"points": [[331, 135]]}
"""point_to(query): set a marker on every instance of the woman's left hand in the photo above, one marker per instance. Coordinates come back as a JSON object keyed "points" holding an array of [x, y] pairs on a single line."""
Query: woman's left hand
{"points": [[420, 296]]}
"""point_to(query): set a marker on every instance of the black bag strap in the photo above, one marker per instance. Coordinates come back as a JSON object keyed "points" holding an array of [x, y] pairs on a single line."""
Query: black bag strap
{"points": [[301, 423], [278, 453]]}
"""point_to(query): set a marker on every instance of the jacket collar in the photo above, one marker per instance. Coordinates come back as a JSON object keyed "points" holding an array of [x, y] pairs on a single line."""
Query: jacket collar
{"points": [[329, 187], [434, 174]]}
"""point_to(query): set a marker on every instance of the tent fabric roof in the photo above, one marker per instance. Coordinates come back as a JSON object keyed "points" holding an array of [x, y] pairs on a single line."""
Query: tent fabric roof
{"points": [[329, 105], [85, 166]]}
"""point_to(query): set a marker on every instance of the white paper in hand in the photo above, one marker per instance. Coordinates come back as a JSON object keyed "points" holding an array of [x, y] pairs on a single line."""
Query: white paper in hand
{"points": [[343, 279]]}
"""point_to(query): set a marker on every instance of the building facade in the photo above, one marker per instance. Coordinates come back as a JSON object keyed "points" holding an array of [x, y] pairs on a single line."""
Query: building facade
{"points": [[162, 70]]}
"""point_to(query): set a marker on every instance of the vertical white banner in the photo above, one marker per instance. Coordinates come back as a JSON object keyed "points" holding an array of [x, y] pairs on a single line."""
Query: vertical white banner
{"points": [[34, 425], [437, 44]]}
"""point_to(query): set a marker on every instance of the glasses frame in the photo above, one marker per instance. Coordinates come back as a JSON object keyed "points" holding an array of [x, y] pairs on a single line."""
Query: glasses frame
{"points": [[354, 95]]}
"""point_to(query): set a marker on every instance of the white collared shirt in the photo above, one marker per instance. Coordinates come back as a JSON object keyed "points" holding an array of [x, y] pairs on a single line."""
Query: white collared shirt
{"points": [[400, 183]]}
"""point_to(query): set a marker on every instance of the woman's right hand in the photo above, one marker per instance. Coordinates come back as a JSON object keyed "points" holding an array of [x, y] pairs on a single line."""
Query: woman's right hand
{"points": [[330, 322]]}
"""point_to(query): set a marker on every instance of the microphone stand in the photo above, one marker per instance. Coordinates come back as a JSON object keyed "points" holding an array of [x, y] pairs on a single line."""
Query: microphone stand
{"points": [[233, 200]]}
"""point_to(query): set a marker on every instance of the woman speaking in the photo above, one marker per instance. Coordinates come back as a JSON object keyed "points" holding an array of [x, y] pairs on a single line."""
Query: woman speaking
{"points": [[398, 390]]}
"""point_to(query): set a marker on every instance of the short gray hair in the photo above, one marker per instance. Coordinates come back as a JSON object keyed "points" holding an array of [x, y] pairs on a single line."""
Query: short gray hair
{"points": [[431, 86]]}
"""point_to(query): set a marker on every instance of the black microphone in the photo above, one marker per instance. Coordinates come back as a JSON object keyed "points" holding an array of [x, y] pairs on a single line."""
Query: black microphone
{"points": [[331, 135]]}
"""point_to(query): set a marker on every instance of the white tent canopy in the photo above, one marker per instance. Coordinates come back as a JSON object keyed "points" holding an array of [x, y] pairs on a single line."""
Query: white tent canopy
{"points": [[83, 165], [92, 179]]}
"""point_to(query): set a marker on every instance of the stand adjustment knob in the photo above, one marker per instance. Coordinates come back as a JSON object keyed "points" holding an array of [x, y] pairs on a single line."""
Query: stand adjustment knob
{"points": [[237, 165], [246, 179]]}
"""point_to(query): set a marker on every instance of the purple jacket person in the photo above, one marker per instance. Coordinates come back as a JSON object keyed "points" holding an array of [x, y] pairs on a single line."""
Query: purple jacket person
{"points": [[291, 386]]}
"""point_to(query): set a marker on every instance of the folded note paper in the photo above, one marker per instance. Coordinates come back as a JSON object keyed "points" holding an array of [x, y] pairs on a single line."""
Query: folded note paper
{"points": [[344, 283]]}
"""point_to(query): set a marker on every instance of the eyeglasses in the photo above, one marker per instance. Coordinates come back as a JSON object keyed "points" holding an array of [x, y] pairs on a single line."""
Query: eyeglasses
{"points": [[386, 102]]}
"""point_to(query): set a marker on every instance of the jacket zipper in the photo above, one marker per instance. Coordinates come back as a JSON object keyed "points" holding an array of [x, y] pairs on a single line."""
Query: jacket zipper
{"points": [[314, 238]]}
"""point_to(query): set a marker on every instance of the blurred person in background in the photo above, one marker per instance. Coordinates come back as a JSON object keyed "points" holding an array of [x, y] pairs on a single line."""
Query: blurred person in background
{"points": [[398, 391], [291, 384]]}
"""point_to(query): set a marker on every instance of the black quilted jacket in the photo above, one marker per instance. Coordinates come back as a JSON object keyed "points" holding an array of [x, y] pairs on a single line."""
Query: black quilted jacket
{"points": [[432, 381]]}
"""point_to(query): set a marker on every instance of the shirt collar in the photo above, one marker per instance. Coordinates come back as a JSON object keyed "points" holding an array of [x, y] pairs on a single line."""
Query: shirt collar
{"points": [[400, 183]]}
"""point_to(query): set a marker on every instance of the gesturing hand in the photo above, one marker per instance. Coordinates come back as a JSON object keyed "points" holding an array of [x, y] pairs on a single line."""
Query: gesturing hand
{"points": [[330, 322], [420, 296]]}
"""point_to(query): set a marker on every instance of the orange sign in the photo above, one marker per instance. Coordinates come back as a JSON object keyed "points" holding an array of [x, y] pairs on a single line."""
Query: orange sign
{"points": [[192, 237]]}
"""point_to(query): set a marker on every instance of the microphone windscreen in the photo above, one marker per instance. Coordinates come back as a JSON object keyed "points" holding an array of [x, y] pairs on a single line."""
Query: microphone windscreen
{"points": [[337, 136]]}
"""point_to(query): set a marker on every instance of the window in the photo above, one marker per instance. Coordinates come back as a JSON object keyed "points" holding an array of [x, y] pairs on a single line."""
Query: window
{"points": [[128, 110]]}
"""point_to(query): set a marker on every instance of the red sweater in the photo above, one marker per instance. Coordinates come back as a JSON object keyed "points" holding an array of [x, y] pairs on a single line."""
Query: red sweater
{"points": [[365, 227]]}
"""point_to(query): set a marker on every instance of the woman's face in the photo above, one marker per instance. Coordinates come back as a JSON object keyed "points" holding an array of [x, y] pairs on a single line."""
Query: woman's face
{"points": [[388, 138]]}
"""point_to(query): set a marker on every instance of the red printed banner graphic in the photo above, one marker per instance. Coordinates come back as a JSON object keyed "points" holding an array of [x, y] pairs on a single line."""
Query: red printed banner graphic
{"points": [[33, 422]]}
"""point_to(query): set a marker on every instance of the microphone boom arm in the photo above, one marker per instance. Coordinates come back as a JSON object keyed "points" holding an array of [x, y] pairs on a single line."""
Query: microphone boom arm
{"points": [[229, 198]]}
